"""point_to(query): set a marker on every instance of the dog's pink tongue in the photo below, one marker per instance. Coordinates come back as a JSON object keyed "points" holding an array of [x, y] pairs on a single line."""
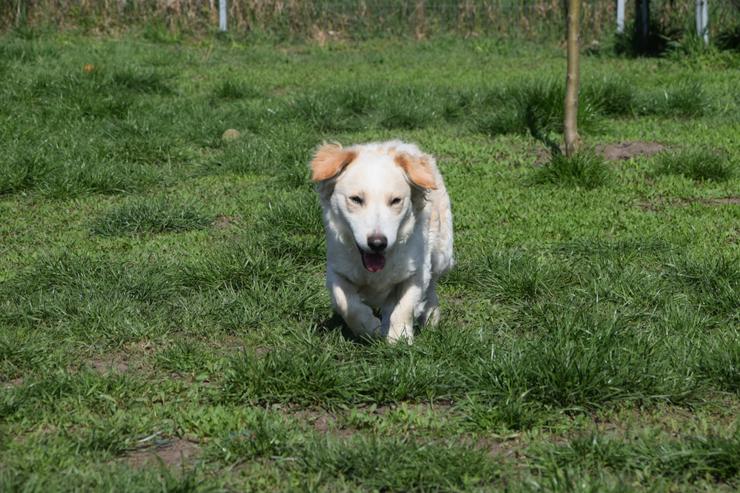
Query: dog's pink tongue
{"points": [[374, 262]]}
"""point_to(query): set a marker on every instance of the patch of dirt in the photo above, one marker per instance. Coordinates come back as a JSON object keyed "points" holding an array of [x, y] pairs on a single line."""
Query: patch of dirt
{"points": [[322, 38], [627, 150], [720, 201], [279, 91], [542, 156], [223, 221], [648, 206], [324, 422], [321, 421], [15, 382], [734, 237], [260, 350], [173, 453], [133, 356], [109, 365], [720, 416], [499, 448], [611, 152]]}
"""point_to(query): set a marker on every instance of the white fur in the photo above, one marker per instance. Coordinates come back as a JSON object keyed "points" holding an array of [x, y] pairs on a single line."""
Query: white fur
{"points": [[419, 234]]}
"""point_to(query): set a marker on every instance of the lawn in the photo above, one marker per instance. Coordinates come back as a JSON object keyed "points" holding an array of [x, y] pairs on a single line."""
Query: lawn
{"points": [[163, 320]]}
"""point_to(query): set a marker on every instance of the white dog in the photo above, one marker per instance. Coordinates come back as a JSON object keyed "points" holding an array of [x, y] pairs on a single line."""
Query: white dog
{"points": [[389, 235]]}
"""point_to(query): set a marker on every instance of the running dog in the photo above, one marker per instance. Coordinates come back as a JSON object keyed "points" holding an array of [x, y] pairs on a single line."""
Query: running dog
{"points": [[388, 232]]}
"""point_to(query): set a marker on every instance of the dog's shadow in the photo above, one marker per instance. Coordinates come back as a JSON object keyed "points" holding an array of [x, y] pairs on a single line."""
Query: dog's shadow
{"points": [[336, 323]]}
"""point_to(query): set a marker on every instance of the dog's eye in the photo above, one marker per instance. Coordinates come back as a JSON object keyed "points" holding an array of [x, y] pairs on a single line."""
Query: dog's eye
{"points": [[396, 201], [356, 199]]}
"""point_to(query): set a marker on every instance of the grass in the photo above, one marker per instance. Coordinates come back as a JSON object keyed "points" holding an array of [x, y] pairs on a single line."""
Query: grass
{"points": [[698, 164], [583, 169], [230, 90], [161, 289], [150, 216], [685, 99]]}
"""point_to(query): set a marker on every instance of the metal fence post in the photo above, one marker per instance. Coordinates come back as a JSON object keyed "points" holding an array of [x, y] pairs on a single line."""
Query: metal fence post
{"points": [[702, 20], [222, 15], [620, 16]]}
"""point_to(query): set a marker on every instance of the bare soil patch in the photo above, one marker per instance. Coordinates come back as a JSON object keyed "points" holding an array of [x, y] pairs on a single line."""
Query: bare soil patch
{"points": [[499, 448], [620, 151], [132, 357], [13, 383], [114, 364], [721, 201], [628, 150], [324, 421], [661, 202], [669, 419], [648, 206], [223, 221], [320, 420], [172, 453]]}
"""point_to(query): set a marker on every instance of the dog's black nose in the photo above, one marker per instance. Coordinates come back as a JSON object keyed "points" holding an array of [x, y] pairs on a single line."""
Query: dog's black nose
{"points": [[377, 243]]}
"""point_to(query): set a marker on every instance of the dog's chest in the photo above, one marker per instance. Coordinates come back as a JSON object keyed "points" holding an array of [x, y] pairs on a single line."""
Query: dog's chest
{"points": [[375, 288]]}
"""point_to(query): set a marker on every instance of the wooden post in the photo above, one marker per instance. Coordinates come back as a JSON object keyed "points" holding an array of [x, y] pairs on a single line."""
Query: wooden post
{"points": [[620, 16], [571, 81], [222, 15]]}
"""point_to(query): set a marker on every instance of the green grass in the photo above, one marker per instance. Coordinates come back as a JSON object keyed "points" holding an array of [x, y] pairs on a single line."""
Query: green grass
{"points": [[715, 457], [162, 289], [584, 169], [234, 89], [150, 216], [698, 164]]}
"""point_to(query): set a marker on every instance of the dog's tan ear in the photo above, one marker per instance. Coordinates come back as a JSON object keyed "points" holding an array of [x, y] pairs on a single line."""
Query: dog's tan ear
{"points": [[418, 169], [329, 161]]}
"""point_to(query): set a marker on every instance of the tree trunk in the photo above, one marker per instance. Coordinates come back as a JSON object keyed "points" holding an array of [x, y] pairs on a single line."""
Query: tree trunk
{"points": [[571, 81]]}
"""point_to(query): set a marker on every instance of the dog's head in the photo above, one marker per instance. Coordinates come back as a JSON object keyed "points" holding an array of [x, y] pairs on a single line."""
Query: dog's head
{"points": [[373, 191]]}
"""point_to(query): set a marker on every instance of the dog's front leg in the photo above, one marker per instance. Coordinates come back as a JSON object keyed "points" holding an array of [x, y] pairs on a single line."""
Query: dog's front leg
{"points": [[348, 304], [401, 320]]}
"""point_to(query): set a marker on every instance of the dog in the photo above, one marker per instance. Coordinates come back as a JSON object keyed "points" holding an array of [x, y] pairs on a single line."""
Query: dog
{"points": [[388, 226]]}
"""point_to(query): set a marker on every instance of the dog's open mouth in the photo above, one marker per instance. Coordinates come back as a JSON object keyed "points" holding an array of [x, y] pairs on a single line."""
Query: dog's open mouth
{"points": [[373, 262]]}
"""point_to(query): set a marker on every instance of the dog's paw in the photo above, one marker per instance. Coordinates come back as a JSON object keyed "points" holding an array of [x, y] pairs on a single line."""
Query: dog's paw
{"points": [[401, 333], [430, 317], [433, 318], [370, 327]]}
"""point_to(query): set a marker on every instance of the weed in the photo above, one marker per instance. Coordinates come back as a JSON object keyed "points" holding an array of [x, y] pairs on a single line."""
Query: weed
{"points": [[583, 170], [697, 164]]}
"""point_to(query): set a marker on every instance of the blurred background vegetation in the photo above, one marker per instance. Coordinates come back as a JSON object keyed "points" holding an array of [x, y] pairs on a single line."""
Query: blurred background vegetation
{"points": [[672, 21]]}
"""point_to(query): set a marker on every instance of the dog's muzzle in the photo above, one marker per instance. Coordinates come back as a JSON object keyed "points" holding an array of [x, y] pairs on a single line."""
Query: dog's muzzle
{"points": [[372, 261]]}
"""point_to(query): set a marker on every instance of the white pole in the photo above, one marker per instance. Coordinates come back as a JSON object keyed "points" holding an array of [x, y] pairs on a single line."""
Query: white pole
{"points": [[222, 15], [702, 20], [620, 16]]}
